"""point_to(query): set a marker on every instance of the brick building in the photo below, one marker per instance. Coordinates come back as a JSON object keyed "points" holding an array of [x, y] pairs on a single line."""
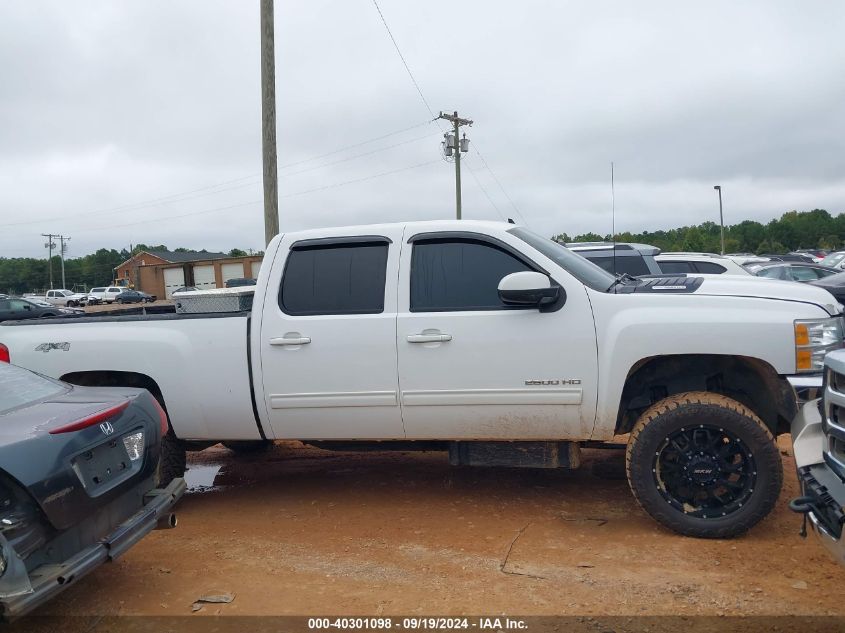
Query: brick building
{"points": [[126, 275], [162, 279]]}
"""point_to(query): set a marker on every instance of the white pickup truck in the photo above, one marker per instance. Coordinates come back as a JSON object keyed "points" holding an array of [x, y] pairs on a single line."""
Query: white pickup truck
{"points": [[486, 340], [62, 297]]}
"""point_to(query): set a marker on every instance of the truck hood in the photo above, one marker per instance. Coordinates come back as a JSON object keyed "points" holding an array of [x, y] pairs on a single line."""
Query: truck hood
{"points": [[741, 286]]}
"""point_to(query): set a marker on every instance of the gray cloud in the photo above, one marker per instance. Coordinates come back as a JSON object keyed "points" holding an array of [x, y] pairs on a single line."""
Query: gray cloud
{"points": [[104, 105]]}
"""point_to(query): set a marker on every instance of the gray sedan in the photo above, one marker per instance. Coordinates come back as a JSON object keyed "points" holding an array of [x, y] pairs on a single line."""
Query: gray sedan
{"points": [[77, 481]]}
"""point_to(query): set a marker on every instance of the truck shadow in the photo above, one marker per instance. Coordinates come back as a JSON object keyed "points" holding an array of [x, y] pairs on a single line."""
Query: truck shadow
{"points": [[291, 471]]}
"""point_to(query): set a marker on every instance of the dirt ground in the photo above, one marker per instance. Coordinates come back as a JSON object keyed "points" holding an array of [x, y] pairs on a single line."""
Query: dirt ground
{"points": [[310, 532]]}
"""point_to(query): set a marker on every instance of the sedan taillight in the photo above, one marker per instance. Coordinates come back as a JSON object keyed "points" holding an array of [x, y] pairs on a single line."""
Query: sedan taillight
{"points": [[162, 414], [4, 354], [91, 420]]}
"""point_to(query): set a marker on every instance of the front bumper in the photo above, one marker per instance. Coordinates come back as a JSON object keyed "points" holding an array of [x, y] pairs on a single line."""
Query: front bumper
{"points": [[822, 491], [48, 580], [806, 387]]}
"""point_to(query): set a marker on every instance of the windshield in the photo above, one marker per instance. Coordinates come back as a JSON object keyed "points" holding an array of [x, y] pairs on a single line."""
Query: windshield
{"points": [[19, 387], [833, 259], [582, 269]]}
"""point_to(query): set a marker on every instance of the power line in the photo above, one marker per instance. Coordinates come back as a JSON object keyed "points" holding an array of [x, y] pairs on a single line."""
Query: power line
{"points": [[185, 195], [404, 63], [431, 112], [172, 217], [486, 195], [355, 156], [141, 205], [492, 173], [251, 202], [349, 182], [354, 145]]}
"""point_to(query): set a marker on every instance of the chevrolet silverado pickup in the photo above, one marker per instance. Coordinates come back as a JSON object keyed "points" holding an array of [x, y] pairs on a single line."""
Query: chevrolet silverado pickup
{"points": [[486, 340]]}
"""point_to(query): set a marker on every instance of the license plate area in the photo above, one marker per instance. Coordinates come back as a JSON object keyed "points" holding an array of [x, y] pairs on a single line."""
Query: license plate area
{"points": [[103, 466]]}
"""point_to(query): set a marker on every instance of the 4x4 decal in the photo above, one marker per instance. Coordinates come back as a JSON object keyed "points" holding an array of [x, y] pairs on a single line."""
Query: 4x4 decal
{"points": [[46, 347]]}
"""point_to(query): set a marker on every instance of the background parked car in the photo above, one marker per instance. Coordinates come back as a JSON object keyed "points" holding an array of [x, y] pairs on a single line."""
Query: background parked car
{"points": [[618, 258], [792, 271], [46, 304], [747, 258], [789, 257], [186, 289], [834, 284], [817, 255], [62, 297], [240, 281], [134, 296], [105, 294], [836, 260], [15, 309], [77, 484], [702, 263]]}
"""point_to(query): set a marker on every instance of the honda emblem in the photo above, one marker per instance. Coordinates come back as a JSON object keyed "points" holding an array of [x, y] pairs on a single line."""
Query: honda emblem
{"points": [[107, 428]]}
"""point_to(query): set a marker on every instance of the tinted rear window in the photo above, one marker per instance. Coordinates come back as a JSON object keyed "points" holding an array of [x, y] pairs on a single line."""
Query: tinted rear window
{"points": [[19, 387], [335, 279], [710, 268], [674, 267]]}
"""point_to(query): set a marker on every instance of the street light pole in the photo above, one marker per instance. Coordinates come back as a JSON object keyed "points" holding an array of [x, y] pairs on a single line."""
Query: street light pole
{"points": [[721, 217]]}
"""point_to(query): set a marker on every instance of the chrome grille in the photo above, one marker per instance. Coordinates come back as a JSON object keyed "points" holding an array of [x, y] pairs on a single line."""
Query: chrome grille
{"points": [[833, 416]]}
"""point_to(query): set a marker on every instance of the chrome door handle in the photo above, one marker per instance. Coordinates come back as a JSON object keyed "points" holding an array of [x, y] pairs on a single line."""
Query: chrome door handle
{"points": [[300, 340], [429, 338]]}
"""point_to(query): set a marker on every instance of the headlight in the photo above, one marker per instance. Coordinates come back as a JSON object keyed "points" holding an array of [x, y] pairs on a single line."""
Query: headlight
{"points": [[813, 339], [134, 444]]}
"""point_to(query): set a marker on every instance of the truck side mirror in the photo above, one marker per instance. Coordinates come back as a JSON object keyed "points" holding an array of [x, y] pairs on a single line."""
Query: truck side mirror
{"points": [[528, 288]]}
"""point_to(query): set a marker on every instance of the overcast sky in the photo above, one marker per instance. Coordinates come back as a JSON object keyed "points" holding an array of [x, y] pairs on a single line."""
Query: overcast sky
{"points": [[139, 121]]}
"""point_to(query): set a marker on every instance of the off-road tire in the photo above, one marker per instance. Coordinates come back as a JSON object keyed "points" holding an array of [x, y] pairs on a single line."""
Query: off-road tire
{"points": [[248, 447], [687, 410], [171, 461]]}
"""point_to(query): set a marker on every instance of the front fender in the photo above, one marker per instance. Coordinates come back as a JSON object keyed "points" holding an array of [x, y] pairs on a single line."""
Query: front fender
{"points": [[636, 327]]}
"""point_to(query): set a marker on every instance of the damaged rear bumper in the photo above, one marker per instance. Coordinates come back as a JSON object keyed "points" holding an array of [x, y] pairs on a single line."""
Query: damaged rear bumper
{"points": [[20, 592]]}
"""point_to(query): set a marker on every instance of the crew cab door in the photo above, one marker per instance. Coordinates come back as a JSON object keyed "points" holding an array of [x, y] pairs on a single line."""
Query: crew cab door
{"points": [[471, 367], [328, 337]]}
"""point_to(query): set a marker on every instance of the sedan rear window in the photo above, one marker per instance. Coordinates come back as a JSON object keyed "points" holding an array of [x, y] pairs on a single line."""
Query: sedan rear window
{"points": [[19, 388]]}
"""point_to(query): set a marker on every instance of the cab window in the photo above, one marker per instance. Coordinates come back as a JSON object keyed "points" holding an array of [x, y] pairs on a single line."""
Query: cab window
{"points": [[341, 278], [459, 274]]}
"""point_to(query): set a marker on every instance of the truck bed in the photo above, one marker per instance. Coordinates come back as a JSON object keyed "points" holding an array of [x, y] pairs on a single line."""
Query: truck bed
{"points": [[199, 362]]}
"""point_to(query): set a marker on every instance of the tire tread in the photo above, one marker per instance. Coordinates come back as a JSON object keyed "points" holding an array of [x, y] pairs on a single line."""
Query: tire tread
{"points": [[674, 520]]}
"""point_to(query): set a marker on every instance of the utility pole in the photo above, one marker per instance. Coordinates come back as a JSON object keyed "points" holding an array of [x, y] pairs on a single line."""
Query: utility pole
{"points": [[49, 246], [452, 143], [62, 249], [721, 217], [268, 122]]}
